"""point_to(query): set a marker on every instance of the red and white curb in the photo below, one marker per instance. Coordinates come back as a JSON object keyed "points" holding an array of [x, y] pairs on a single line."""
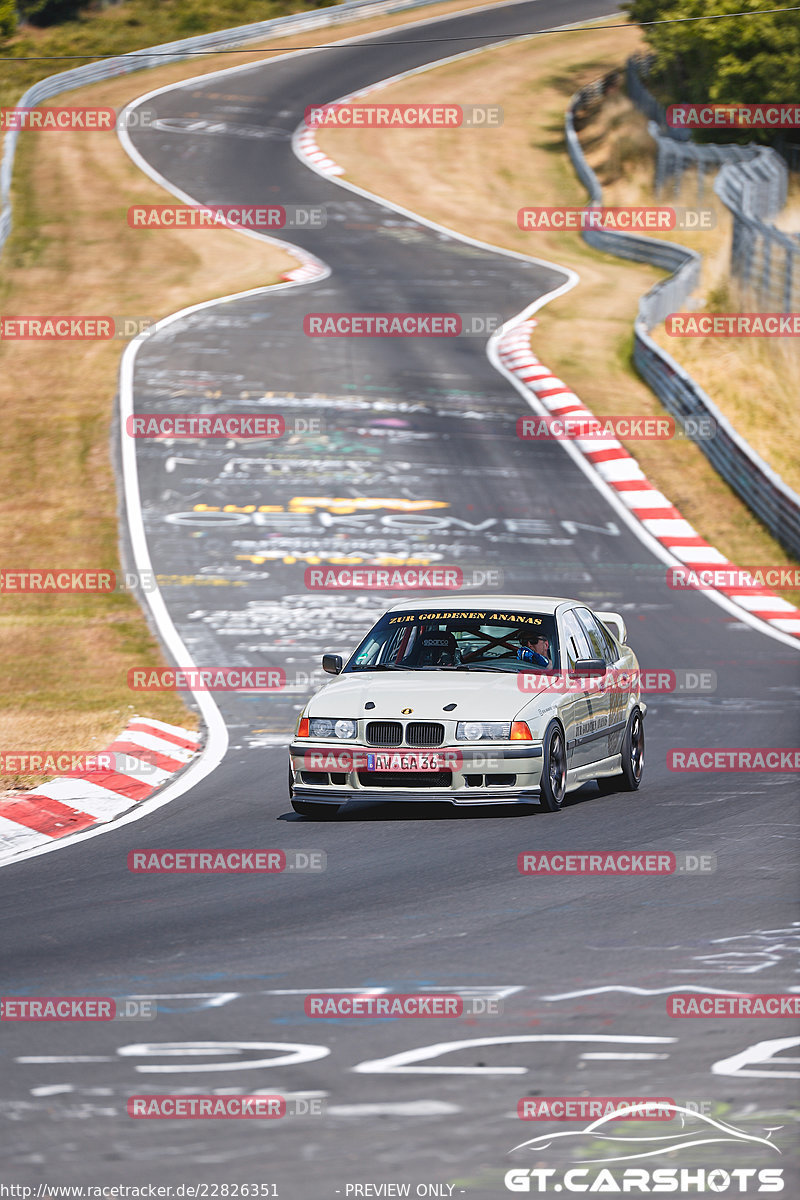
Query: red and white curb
{"points": [[153, 750], [309, 270], [307, 144], [620, 470]]}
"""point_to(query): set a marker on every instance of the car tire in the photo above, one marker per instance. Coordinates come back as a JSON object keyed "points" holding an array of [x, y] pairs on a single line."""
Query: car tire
{"points": [[321, 812], [553, 785], [630, 776]]}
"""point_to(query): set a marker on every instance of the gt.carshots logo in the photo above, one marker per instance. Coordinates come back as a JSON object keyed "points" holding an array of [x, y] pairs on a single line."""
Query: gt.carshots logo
{"points": [[694, 1129], [679, 1181]]}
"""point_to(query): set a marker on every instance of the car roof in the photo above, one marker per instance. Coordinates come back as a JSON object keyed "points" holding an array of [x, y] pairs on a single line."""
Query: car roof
{"points": [[470, 604]]}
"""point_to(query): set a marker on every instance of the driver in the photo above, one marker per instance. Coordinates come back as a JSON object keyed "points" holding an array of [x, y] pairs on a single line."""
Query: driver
{"points": [[533, 648]]}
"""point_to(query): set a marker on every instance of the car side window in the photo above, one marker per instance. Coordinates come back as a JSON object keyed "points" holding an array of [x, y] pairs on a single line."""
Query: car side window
{"points": [[601, 644], [576, 643]]}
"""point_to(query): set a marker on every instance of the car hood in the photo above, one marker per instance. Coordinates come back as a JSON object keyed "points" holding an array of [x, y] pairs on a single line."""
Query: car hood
{"points": [[478, 696]]}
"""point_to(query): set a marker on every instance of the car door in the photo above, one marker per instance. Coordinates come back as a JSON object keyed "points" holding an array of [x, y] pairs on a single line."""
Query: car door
{"points": [[606, 700], [576, 713]]}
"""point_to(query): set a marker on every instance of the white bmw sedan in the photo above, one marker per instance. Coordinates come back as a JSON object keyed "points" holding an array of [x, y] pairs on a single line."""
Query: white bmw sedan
{"points": [[488, 700]]}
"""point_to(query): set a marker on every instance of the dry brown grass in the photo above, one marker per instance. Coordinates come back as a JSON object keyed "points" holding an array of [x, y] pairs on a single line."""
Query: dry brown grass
{"points": [[71, 252], [475, 182], [755, 382]]}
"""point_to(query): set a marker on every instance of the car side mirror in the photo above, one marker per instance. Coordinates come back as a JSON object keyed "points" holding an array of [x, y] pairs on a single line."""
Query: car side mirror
{"points": [[332, 663], [590, 666]]}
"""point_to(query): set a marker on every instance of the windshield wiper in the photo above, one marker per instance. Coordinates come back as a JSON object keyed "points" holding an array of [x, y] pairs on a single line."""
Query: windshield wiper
{"points": [[502, 670], [381, 667]]}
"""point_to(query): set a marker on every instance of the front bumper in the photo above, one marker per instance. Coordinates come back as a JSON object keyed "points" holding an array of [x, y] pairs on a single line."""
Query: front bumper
{"points": [[507, 774]]}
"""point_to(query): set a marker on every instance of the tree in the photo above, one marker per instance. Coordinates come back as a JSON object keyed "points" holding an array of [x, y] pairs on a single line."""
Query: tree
{"points": [[748, 59], [8, 18]]}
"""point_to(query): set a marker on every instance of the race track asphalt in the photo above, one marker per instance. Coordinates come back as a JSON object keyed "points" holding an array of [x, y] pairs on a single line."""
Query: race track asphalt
{"points": [[410, 899]]}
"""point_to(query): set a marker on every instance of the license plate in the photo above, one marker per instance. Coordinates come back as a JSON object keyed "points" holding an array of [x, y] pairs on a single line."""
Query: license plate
{"points": [[403, 762]]}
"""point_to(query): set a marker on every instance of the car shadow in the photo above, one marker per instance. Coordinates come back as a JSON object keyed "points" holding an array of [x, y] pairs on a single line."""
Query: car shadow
{"points": [[387, 810]]}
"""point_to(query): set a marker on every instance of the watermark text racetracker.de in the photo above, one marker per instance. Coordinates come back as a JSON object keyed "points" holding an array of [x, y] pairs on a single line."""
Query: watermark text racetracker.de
{"points": [[779, 576], [629, 219], [401, 324], [60, 327], [763, 115], [686, 1004], [77, 763], [212, 1107], [225, 861], [585, 426], [207, 679], [615, 862], [231, 216], [92, 581], [741, 324], [244, 426], [655, 681], [404, 116], [734, 758], [401, 578], [335, 1005], [74, 119], [77, 1008]]}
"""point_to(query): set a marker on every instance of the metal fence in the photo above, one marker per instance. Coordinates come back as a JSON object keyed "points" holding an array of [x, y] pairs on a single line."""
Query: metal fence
{"points": [[752, 479], [752, 182], [159, 56]]}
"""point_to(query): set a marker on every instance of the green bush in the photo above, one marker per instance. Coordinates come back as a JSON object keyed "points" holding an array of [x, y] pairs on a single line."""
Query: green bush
{"points": [[742, 59], [8, 18], [50, 12]]}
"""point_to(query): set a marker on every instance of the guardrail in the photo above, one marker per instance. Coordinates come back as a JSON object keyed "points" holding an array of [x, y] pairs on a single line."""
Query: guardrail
{"points": [[157, 56], [752, 479], [752, 182]]}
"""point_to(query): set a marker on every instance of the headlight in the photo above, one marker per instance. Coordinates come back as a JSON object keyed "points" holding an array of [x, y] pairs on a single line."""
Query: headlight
{"points": [[327, 727], [476, 731]]}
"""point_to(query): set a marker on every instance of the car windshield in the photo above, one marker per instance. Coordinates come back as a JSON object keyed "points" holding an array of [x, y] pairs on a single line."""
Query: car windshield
{"points": [[466, 641]]}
